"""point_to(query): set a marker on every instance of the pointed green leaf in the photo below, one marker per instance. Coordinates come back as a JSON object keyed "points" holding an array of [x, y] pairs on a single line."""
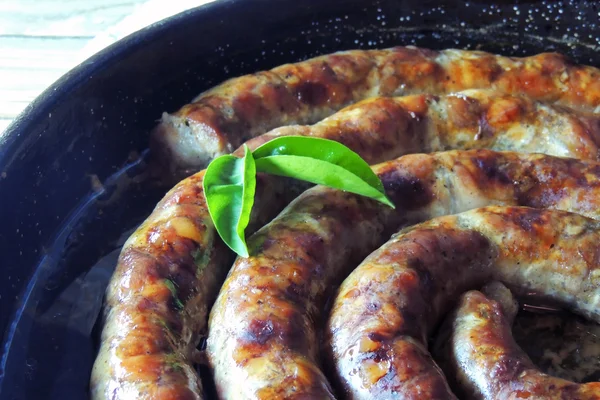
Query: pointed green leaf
{"points": [[229, 187], [326, 150], [320, 172]]}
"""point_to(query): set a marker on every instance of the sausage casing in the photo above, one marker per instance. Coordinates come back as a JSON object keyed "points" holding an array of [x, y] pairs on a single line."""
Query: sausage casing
{"points": [[222, 118], [263, 327], [388, 306], [487, 363], [157, 301]]}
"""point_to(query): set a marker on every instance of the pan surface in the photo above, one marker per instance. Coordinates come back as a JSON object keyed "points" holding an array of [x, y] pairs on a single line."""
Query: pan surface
{"points": [[72, 181]]}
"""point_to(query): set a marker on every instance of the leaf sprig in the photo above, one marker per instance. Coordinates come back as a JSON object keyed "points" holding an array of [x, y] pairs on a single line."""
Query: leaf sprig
{"points": [[230, 182]]}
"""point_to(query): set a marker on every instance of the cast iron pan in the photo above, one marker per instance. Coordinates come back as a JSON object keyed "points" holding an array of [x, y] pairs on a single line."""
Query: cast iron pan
{"points": [[72, 165]]}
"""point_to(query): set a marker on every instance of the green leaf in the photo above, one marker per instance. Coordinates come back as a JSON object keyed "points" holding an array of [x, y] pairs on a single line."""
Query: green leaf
{"points": [[229, 186], [320, 149], [230, 182], [322, 173]]}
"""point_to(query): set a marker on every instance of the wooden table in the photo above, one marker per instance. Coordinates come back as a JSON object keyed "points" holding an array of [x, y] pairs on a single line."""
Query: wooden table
{"points": [[40, 40]]}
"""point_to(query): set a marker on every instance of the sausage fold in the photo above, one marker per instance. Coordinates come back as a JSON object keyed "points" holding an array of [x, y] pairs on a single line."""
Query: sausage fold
{"points": [[263, 329], [168, 274], [389, 305], [171, 268], [487, 363], [222, 118]]}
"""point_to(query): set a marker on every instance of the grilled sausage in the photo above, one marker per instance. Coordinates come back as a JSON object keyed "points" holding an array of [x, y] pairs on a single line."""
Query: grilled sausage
{"points": [[476, 118], [168, 274], [158, 256], [488, 363], [388, 306], [158, 298], [222, 118], [263, 327], [378, 129]]}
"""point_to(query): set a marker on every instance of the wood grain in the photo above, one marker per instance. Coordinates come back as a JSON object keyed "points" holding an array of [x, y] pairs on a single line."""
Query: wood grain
{"points": [[40, 40], [70, 18]]}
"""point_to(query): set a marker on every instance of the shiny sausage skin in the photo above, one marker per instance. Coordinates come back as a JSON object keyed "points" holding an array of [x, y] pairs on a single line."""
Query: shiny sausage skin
{"points": [[468, 120], [389, 305], [149, 339], [263, 327], [489, 364], [222, 118], [157, 301], [378, 130]]}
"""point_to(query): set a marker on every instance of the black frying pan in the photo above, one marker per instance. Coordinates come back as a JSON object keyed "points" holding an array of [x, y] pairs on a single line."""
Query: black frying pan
{"points": [[72, 179]]}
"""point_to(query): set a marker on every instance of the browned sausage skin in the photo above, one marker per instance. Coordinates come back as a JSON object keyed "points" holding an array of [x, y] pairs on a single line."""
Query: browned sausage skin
{"points": [[469, 119], [170, 269], [488, 363], [387, 307], [168, 274], [262, 331], [158, 256], [222, 118]]}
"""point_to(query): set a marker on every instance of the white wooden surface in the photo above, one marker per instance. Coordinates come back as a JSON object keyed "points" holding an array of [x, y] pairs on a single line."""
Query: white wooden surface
{"points": [[40, 40]]}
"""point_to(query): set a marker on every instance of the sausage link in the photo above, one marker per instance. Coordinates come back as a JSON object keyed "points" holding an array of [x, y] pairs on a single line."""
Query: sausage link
{"points": [[158, 256], [389, 305], [156, 306], [470, 119], [222, 118], [488, 363], [263, 328], [143, 313]]}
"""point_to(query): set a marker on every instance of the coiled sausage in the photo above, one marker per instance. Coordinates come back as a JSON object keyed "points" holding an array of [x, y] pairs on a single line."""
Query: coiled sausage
{"points": [[263, 327], [158, 298], [222, 118], [388, 306], [487, 363]]}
